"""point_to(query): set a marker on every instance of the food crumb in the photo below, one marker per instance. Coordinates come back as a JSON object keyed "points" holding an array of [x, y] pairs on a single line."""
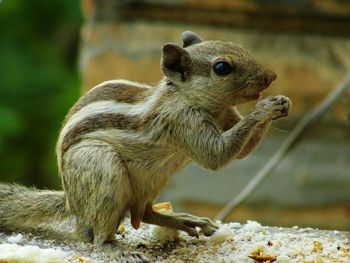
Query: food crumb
{"points": [[30, 254], [164, 233], [252, 226], [15, 239], [222, 234]]}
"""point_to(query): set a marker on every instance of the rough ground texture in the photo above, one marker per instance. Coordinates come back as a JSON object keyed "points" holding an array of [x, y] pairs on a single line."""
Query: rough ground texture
{"points": [[233, 242]]}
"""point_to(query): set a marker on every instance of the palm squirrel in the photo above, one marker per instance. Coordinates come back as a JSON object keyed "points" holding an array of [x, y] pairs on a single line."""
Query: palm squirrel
{"points": [[122, 141]]}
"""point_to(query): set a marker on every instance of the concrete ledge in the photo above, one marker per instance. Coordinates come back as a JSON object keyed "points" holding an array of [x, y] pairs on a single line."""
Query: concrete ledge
{"points": [[233, 242], [331, 17]]}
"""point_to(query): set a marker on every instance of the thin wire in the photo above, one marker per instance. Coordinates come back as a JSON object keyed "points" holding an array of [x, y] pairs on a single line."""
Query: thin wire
{"points": [[309, 119]]}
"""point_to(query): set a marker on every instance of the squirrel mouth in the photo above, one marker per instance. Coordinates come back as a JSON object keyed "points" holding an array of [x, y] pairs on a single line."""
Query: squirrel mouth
{"points": [[253, 97]]}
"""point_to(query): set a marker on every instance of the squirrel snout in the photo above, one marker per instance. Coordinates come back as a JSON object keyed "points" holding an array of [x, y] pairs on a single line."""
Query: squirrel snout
{"points": [[267, 77]]}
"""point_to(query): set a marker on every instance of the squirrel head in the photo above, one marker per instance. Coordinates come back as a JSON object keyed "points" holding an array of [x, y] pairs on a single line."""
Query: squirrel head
{"points": [[222, 72]]}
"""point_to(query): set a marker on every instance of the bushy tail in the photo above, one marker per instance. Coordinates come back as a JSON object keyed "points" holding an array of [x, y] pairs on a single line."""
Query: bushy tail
{"points": [[22, 207]]}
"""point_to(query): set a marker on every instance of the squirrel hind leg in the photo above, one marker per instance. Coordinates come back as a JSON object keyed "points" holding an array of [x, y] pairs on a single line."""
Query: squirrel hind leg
{"points": [[84, 232], [97, 189], [105, 228]]}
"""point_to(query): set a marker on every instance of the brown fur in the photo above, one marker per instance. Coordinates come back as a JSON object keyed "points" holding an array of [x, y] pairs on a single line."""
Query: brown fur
{"points": [[111, 90], [97, 122]]}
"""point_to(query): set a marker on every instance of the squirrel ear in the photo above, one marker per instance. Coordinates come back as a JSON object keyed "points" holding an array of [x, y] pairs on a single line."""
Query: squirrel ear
{"points": [[175, 61], [189, 38]]}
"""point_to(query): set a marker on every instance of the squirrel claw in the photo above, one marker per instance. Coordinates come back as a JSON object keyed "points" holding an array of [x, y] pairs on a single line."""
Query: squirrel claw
{"points": [[189, 223], [134, 257], [273, 107]]}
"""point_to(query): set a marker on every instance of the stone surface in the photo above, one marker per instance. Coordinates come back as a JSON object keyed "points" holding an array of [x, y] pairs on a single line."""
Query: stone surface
{"points": [[239, 243], [331, 16]]}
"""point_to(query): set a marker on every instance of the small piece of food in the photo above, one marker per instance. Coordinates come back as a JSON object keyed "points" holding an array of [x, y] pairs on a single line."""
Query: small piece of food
{"points": [[163, 207], [163, 233], [13, 253], [121, 229], [317, 246], [82, 259], [222, 234], [260, 256]]}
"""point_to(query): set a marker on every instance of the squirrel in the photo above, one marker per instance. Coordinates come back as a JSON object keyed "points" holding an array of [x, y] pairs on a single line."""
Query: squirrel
{"points": [[122, 141]]}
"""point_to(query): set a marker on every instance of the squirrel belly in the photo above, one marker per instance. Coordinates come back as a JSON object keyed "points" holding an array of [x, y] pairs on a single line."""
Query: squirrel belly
{"points": [[22, 207]]}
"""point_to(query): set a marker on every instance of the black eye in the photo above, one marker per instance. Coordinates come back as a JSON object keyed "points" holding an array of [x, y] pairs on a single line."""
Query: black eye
{"points": [[222, 68]]}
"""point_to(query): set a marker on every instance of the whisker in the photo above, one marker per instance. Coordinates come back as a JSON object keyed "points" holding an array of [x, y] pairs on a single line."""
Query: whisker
{"points": [[279, 129]]}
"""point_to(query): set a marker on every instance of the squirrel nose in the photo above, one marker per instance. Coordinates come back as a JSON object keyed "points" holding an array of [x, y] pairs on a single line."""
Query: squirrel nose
{"points": [[268, 76]]}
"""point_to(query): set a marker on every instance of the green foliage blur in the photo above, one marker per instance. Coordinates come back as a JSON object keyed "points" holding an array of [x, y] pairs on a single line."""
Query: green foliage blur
{"points": [[38, 83]]}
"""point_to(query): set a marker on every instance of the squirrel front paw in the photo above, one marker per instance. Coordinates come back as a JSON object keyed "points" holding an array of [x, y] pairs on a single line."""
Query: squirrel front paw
{"points": [[189, 223], [273, 107]]}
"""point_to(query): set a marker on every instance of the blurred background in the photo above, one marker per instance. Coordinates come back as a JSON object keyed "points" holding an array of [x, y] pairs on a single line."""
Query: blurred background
{"points": [[39, 81], [52, 53]]}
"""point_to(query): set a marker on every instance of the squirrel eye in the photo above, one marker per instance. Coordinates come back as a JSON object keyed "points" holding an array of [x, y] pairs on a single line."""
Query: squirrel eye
{"points": [[222, 68]]}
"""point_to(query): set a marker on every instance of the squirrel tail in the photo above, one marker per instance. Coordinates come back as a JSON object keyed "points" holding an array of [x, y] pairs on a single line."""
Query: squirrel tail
{"points": [[22, 207]]}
